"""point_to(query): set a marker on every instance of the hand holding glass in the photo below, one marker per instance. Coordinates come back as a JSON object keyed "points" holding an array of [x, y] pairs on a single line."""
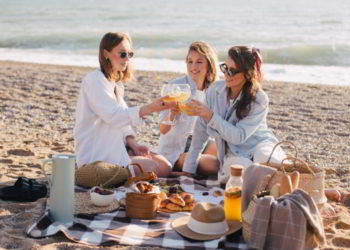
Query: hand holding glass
{"points": [[187, 106], [175, 92]]}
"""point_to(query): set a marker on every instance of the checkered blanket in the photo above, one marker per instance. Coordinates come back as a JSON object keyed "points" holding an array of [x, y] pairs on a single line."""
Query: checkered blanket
{"points": [[116, 228]]}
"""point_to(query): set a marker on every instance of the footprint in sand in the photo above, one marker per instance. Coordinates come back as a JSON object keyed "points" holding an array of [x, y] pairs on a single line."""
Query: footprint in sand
{"points": [[342, 225], [14, 166], [20, 152], [341, 242], [6, 161]]}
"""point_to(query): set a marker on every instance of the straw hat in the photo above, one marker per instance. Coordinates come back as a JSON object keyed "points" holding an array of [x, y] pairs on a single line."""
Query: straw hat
{"points": [[206, 222]]}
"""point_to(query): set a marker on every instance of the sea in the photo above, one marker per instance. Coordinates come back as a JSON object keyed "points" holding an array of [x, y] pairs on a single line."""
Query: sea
{"points": [[304, 41]]}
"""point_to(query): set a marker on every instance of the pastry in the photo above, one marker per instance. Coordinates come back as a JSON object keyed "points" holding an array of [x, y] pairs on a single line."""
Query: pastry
{"points": [[164, 203], [140, 187], [176, 199], [286, 186], [186, 197], [275, 190], [163, 196], [173, 207], [189, 206], [295, 176], [144, 187]]}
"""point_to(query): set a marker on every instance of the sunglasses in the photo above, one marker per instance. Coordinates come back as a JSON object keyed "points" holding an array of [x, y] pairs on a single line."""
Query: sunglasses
{"points": [[126, 54], [230, 71]]}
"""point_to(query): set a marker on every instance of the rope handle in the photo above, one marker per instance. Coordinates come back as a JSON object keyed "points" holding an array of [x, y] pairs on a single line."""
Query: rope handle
{"points": [[295, 164], [111, 179], [283, 142]]}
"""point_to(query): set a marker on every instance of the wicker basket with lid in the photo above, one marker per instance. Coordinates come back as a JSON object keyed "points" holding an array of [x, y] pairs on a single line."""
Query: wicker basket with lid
{"points": [[141, 205]]}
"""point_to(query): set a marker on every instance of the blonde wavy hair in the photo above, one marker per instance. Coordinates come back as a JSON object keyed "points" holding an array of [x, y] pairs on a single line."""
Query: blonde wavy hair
{"points": [[108, 42], [208, 52]]}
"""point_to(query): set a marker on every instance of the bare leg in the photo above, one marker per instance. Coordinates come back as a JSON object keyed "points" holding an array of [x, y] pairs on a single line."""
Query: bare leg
{"points": [[211, 149], [164, 166], [208, 165], [148, 165], [180, 162]]}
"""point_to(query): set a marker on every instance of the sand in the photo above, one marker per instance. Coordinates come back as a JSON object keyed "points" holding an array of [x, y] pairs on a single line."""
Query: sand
{"points": [[37, 117]]}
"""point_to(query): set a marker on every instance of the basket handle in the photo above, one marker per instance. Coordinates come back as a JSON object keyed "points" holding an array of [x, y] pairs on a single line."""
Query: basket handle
{"points": [[143, 177], [299, 160], [138, 165], [283, 142]]}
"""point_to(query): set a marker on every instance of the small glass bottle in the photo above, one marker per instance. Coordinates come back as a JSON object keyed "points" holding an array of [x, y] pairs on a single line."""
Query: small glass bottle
{"points": [[233, 192]]}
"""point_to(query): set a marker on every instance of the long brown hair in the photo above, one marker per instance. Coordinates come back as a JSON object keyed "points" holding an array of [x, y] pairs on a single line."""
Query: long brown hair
{"points": [[108, 42], [249, 61], [208, 52]]}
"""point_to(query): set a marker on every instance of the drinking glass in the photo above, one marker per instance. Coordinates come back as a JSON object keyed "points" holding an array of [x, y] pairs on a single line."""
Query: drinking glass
{"points": [[175, 92]]}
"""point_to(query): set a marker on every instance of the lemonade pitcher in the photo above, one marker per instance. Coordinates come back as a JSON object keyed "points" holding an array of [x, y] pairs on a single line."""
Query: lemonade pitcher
{"points": [[61, 183]]}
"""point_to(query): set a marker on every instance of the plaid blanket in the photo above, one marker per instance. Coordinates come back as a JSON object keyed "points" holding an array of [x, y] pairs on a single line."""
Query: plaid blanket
{"points": [[116, 228]]}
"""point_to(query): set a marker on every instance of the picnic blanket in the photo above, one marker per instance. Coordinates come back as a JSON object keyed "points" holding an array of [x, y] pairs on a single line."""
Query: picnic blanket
{"points": [[115, 228]]}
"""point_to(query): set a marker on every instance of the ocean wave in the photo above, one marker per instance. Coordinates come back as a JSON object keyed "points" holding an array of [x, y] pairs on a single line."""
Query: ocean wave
{"points": [[336, 55], [287, 73], [172, 47]]}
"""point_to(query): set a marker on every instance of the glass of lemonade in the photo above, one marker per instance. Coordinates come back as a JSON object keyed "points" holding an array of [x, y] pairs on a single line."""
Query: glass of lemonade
{"points": [[175, 92], [187, 107]]}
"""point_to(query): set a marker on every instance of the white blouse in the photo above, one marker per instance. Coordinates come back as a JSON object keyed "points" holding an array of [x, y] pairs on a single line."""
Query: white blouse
{"points": [[103, 120], [173, 143]]}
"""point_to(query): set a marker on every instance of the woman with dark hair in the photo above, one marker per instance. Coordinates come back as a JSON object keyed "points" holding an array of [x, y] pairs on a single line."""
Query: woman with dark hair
{"points": [[103, 120], [234, 113]]}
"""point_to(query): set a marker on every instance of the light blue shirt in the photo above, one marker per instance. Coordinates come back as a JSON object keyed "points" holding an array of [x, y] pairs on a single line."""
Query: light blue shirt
{"points": [[173, 143], [241, 136]]}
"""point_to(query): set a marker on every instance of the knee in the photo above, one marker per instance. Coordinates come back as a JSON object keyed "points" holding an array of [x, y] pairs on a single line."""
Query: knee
{"points": [[163, 169], [264, 151]]}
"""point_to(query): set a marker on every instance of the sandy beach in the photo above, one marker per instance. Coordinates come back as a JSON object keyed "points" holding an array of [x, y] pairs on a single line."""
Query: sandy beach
{"points": [[37, 119]]}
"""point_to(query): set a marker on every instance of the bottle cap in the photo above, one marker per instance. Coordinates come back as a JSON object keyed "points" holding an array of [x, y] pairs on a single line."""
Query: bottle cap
{"points": [[236, 170]]}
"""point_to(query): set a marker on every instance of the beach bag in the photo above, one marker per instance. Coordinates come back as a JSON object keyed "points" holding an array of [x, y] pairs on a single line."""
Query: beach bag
{"points": [[103, 174], [248, 218], [312, 178]]}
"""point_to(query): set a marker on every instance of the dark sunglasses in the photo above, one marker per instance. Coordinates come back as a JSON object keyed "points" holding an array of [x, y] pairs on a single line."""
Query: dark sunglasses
{"points": [[126, 54], [230, 71]]}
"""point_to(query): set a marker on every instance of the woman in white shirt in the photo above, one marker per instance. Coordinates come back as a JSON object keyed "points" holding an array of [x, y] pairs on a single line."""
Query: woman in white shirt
{"points": [[103, 119], [201, 61]]}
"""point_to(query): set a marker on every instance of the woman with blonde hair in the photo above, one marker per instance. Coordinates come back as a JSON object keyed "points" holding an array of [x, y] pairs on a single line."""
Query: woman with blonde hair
{"points": [[201, 61], [103, 120]]}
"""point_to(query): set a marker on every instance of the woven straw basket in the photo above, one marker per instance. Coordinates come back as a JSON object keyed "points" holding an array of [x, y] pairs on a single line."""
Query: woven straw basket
{"points": [[102, 174], [142, 206], [311, 177], [248, 220], [311, 181]]}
